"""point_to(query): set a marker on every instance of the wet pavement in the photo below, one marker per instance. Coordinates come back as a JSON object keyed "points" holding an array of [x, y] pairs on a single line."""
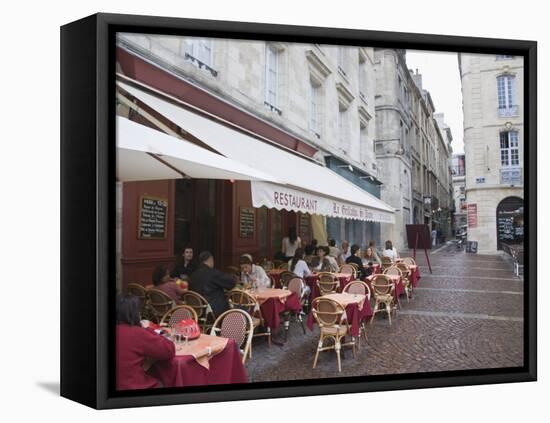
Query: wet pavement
{"points": [[467, 314]]}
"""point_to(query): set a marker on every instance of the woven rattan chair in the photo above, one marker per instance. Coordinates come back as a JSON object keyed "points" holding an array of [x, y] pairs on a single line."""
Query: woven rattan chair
{"points": [[283, 266], [349, 269], [361, 288], [139, 291], [159, 303], [177, 314], [205, 315], [409, 261], [286, 276], [237, 325], [327, 283], [329, 314], [383, 292], [295, 285], [242, 300], [406, 275], [394, 270], [386, 262]]}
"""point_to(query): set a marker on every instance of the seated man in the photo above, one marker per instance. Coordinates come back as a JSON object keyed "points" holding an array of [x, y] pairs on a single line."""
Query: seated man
{"points": [[211, 283], [252, 275]]}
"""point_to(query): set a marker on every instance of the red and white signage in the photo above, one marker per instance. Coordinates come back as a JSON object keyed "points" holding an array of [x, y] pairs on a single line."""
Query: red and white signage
{"points": [[472, 215], [281, 197]]}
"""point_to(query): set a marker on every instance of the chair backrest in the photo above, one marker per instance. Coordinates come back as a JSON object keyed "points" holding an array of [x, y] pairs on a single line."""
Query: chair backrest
{"points": [[409, 261], [349, 269], [296, 285], [327, 312], [354, 265], [286, 276], [405, 271], [136, 290], [357, 287], [237, 325], [242, 300], [177, 314], [327, 283], [283, 265], [386, 261], [160, 302], [277, 263], [198, 303], [382, 285], [393, 270]]}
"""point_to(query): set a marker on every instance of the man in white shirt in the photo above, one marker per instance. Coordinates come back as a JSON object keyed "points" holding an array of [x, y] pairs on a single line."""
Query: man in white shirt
{"points": [[345, 253]]}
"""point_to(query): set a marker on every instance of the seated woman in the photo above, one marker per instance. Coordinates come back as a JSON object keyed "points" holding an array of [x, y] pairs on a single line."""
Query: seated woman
{"points": [[326, 263], [163, 282], [299, 267], [390, 251], [252, 275], [354, 258], [134, 344]]}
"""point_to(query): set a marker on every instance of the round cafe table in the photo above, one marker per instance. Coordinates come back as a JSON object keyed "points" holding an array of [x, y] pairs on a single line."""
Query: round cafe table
{"points": [[273, 302]]}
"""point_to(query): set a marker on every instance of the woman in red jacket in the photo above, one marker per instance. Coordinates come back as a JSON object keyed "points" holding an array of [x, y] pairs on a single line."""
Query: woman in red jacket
{"points": [[134, 344]]}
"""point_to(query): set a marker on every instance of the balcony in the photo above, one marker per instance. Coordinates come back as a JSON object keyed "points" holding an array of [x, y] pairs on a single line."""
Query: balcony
{"points": [[506, 112], [511, 176]]}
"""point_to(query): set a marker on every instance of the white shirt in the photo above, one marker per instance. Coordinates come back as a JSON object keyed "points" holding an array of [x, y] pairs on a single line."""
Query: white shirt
{"points": [[391, 253], [301, 268], [258, 274], [288, 248]]}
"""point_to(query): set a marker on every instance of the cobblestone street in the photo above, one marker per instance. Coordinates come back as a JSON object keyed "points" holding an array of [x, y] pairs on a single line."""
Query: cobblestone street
{"points": [[466, 315]]}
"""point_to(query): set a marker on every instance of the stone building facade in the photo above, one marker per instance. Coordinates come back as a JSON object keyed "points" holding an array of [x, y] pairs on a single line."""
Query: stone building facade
{"points": [[412, 149], [321, 94], [492, 88], [458, 170]]}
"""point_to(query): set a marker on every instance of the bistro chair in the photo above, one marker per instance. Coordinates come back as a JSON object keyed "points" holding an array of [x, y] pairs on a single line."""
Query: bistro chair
{"points": [[177, 314], [409, 261], [295, 285], [139, 291], [386, 262], [383, 291], [361, 288], [159, 303], [328, 283], [406, 275], [285, 277], [393, 270], [283, 266], [329, 315], [349, 269], [237, 325], [277, 263], [205, 315], [242, 300]]}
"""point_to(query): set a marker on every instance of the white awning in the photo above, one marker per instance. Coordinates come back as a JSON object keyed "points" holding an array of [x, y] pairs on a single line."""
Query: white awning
{"points": [[302, 185], [145, 154]]}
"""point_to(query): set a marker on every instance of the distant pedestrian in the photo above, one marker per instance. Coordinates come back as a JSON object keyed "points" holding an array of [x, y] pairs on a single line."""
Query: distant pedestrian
{"points": [[434, 237]]}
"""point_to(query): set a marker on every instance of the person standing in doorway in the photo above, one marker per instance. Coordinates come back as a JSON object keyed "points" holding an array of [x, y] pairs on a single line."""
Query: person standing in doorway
{"points": [[291, 243], [185, 265]]}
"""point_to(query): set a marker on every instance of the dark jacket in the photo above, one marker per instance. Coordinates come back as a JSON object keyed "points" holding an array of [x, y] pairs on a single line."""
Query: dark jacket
{"points": [[211, 283], [181, 270], [356, 260]]}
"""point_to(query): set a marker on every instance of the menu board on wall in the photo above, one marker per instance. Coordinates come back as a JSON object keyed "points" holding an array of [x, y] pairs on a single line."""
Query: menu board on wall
{"points": [[505, 226], [305, 226], [153, 215], [247, 222]]}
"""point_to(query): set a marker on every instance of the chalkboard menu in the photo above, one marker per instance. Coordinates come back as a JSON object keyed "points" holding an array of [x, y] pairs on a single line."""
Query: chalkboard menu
{"points": [[153, 214], [247, 222], [505, 226], [305, 226]]}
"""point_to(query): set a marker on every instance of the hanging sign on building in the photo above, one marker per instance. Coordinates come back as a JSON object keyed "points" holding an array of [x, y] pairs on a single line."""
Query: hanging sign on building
{"points": [[153, 215], [247, 222], [472, 215]]}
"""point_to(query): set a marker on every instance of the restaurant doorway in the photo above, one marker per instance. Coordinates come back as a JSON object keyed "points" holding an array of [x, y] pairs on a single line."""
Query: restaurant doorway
{"points": [[510, 222]]}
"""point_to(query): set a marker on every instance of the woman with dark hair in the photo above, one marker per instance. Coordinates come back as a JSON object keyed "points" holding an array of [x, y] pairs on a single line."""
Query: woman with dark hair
{"points": [[326, 263], [291, 243], [355, 259], [163, 282], [300, 268], [134, 344], [251, 274], [185, 265], [390, 251]]}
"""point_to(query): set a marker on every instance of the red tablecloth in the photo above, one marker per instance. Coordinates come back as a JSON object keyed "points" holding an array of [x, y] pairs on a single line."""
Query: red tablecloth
{"points": [[272, 308], [276, 276], [225, 368], [311, 281], [397, 280], [354, 316], [415, 275]]}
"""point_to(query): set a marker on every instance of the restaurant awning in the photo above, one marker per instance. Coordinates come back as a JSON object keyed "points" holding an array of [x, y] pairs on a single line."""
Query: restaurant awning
{"points": [[302, 186], [145, 154]]}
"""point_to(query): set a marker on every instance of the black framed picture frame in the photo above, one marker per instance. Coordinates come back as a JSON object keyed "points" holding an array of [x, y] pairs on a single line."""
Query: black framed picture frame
{"points": [[96, 67]]}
